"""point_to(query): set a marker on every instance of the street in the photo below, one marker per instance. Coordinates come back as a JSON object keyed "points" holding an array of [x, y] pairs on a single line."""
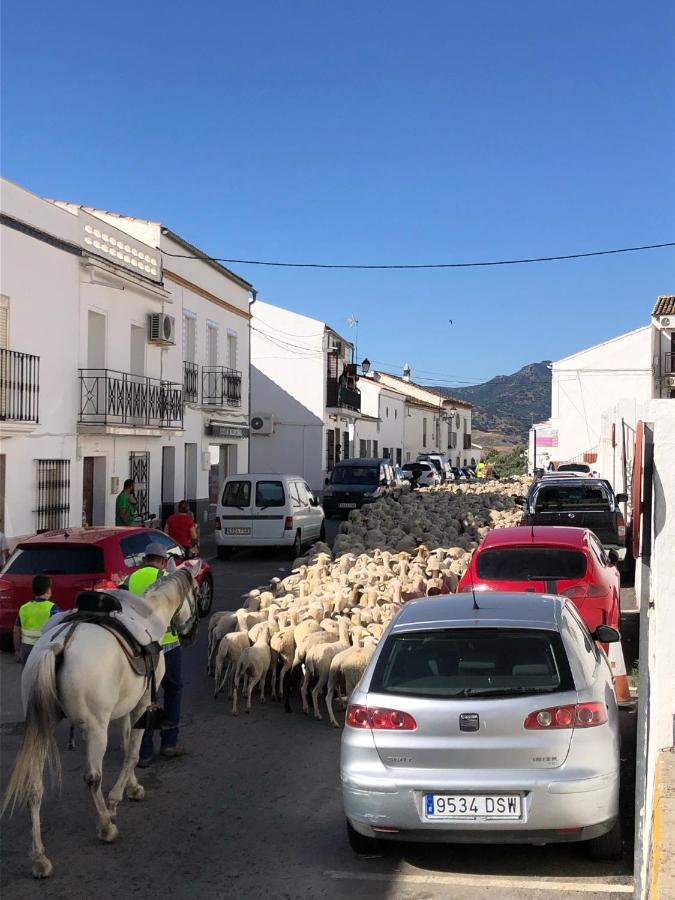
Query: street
{"points": [[254, 811]]}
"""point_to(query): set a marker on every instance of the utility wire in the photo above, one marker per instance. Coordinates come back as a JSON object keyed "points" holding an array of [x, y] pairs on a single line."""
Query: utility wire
{"points": [[451, 265]]}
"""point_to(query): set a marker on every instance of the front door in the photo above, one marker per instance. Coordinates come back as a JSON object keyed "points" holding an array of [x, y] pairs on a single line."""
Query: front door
{"points": [[88, 490]]}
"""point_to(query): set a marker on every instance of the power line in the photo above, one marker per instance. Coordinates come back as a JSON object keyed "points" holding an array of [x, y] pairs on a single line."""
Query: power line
{"points": [[450, 265]]}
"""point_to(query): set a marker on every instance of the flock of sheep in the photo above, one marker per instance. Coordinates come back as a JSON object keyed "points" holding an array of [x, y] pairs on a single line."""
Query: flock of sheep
{"points": [[318, 627]]}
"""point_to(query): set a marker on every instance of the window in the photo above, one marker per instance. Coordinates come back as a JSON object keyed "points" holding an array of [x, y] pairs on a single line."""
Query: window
{"points": [[407, 455], [269, 493], [237, 493], [581, 496], [424, 431], [133, 547], [232, 349], [472, 663], [355, 475], [139, 470], [293, 490], [374, 448], [211, 344], [395, 413], [304, 493], [330, 449], [189, 337], [387, 411], [52, 508], [399, 456], [531, 563], [362, 448], [598, 550], [56, 559], [345, 445], [580, 637]]}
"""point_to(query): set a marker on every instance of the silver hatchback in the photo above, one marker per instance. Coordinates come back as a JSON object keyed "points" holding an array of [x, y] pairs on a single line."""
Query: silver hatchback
{"points": [[490, 725]]}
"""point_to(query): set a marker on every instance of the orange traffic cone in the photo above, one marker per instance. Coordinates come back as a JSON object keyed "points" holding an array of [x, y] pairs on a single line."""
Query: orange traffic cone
{"points": [[618, 664]]}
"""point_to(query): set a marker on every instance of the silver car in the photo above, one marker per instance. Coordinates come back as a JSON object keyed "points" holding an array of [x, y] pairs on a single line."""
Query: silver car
{"points": [[490, 725]]}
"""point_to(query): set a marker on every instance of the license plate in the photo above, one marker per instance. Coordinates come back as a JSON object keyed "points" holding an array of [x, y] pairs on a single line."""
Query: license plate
{"points": [[472, 806], [237, 531], [347, 505]]}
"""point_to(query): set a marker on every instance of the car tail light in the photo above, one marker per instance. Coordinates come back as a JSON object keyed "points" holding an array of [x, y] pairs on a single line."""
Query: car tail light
{"points": [[288, 523], [379, 719], [621, 526], [105, 584], [579, 715], [219, 524], [577, 591]]}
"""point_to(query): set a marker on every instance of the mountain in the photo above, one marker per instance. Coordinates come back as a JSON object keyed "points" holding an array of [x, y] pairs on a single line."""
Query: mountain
{"points": [[506, 406]]}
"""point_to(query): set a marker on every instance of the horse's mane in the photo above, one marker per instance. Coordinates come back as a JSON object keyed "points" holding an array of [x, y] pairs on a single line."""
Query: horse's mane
{"points": [[163, 585]]}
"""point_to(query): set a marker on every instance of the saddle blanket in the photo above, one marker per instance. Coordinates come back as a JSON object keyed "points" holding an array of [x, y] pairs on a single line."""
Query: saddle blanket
{"points": [[137, 616]]}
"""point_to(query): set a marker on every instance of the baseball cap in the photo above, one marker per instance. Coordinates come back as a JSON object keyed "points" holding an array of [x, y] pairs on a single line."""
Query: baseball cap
{"points": [[156, 549]]}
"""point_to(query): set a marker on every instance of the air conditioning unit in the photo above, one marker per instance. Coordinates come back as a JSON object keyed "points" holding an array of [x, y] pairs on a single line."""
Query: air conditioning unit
{"points": [[161, 329], [262, 423], [334, 344], [670, 381], [666, 321]]}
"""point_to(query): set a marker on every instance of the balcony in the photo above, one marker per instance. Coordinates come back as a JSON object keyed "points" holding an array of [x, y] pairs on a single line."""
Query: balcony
{"points": [[221, 386], [19, 388], [121, 400], [339, 396], [190, 382]]}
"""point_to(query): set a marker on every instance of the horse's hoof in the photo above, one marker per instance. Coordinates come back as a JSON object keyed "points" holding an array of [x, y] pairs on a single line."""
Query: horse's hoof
{"points": [[112, 807], [135, 792], [107, 833], [42, 868]]}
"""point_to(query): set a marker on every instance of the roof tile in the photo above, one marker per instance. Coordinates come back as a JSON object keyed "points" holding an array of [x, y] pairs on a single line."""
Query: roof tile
{"points": [[665, 305]]}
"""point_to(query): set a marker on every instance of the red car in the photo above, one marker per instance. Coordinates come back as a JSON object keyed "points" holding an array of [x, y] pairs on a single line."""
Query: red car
{"points": [[79, 558], [553, 560]]}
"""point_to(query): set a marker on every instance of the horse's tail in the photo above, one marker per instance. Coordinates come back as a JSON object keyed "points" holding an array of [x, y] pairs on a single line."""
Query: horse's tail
{"points": [[38, 746]]}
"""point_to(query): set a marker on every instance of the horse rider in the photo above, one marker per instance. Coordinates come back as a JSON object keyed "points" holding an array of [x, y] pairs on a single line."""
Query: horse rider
{"points": [[154, 565], [32, 617]]}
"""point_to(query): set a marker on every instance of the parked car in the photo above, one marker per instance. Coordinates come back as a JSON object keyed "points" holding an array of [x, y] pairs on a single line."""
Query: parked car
{"points": [[425, 474], [581, 502], [495, 725], [567, 561], [354, 482], [440, 462], [267, 510], [403, 480], [77, 559]]}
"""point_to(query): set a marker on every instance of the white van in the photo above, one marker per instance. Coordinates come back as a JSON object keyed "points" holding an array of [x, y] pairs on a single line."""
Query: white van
{"points": [[267, 510]]}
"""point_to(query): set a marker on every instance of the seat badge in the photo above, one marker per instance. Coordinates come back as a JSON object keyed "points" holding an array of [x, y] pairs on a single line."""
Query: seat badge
{"points": [[469, 722]]}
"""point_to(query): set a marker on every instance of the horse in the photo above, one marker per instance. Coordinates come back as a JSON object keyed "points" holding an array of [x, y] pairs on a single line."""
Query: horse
{"points": [[84, 676]]}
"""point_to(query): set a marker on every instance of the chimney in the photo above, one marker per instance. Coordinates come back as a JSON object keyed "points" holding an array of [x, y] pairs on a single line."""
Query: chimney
{"points": [[406, 372]]}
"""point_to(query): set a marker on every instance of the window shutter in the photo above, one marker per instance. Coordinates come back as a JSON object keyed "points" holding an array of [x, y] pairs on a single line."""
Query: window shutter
{"points": [[4, 322]]}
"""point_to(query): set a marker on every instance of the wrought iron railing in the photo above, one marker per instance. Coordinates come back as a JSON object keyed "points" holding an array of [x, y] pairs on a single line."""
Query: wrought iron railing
{"points": [[339, 396], [19, 386], [190, 382], [108, 397], [221, 386]]}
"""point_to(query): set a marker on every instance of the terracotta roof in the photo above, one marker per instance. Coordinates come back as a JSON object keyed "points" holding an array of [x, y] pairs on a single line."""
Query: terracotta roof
{"points": [[665, 306]]}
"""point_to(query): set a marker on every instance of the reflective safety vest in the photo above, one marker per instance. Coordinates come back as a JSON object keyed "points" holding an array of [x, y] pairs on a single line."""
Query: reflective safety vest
{"points": [[32, 617], [480, 470], [139, 581]]}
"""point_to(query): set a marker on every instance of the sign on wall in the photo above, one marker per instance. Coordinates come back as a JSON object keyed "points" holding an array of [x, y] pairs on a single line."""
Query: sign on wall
{"points": [[547, 437], [214, 429]]}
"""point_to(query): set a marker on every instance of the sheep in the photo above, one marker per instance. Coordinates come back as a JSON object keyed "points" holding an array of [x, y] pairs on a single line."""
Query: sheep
{"points": [[229, 651], [350, 664], [224, 624], [253, 663], [317, 665]]}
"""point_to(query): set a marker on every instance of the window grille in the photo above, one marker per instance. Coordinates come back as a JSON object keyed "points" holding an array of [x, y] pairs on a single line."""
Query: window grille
{"points": [[52, 507], [139, 470]]}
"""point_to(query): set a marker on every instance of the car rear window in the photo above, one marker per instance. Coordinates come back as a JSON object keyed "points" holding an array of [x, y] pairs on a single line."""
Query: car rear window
{"points": [[574, 467], [472, 663], [75, 559], [355, 475], [237, 493], [554, 496], [530, 563], [269, 493]]}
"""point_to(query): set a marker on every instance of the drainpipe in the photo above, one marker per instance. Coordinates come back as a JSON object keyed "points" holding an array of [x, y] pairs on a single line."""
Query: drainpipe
{"points": [[254, 297]]}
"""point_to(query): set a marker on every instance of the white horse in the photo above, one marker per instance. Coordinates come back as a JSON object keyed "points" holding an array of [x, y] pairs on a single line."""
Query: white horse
{"points": [[91, 683]]}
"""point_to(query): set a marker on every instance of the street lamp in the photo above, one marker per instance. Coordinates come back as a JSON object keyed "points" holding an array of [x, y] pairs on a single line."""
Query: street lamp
{"points": [[365, 366]]}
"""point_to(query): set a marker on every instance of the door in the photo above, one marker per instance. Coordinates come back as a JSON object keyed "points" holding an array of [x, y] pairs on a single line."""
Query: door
{"points": [[345, 445], [88, 490], [2, 492], [190, 492], [139, 470], [271, 505], [168, 482], [330, 450]]}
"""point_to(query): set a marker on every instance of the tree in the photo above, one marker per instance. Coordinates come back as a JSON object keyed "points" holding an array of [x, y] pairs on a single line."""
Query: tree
{"points": [[514, 462]]}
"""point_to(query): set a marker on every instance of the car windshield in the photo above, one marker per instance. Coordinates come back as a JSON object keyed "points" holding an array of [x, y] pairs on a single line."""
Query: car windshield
{"points": [[472, 663], [530, 563], [557, 496], [355, 475], [75, 559]]}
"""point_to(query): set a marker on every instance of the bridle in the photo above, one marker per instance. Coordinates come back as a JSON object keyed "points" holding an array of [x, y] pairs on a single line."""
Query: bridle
{"points": [[187, 631]]}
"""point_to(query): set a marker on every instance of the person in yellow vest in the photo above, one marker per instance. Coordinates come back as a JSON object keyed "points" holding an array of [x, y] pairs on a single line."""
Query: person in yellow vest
{"points": [[154, 564], [480, 470], [32, 616]]}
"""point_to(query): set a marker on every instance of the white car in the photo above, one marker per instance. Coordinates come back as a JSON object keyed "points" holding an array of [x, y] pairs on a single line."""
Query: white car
{"points": [[267, 510], [424, 473]]}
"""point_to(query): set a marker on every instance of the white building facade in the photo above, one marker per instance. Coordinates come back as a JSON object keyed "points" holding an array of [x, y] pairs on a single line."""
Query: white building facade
{"points": [[305, 397], [114, 366]]}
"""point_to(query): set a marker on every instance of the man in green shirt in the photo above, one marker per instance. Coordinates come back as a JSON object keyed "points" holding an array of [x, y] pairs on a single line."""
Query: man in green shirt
{"points": [[125, 505]]}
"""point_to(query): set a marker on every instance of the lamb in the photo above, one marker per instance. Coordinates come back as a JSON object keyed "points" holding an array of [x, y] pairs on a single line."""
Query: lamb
{"points": [[254, 663], [223, 624], [317, 665], [229, 650]]}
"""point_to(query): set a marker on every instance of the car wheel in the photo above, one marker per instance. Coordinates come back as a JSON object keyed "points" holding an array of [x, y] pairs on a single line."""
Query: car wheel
{"points": [[205, 596], [224, 552], [296, 549], [365, 846], [608, 846]]}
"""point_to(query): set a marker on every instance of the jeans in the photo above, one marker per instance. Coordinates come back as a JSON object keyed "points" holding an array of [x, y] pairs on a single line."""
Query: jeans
{"points": [[172, 688], [25, 651]]}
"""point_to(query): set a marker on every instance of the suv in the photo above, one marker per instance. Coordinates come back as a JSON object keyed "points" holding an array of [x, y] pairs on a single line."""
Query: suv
{"points": [[267, 510], [77, 559], [354, 482], [581, 502], [439, 462]]}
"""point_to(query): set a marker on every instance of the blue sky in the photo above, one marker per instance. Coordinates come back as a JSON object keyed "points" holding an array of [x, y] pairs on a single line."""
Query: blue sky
{"points": [[373, 132]]}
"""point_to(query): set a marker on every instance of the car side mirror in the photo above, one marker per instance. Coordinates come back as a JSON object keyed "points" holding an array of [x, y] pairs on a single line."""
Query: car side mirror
{"points": [[606, 634], [622, 498], [613, 557]]}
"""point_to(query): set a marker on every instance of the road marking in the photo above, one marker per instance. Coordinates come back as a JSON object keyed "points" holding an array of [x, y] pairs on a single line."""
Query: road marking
{"points": [[527, 884]]}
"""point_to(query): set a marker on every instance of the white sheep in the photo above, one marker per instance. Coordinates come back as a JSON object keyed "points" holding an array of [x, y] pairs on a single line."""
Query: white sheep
{"points": [[317, 665], [254, 664]]}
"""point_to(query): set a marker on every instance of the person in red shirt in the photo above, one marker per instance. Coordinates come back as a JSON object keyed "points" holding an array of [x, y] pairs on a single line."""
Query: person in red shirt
{"points": [[182, 528]]}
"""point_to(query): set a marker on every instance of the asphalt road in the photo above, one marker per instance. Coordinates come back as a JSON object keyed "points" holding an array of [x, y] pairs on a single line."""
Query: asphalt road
{"points": [[254, 811]]}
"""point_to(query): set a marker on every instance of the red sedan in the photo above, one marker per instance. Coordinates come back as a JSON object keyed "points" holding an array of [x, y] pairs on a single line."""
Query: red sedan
{"points": [[553, 560], [77, 559]]}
